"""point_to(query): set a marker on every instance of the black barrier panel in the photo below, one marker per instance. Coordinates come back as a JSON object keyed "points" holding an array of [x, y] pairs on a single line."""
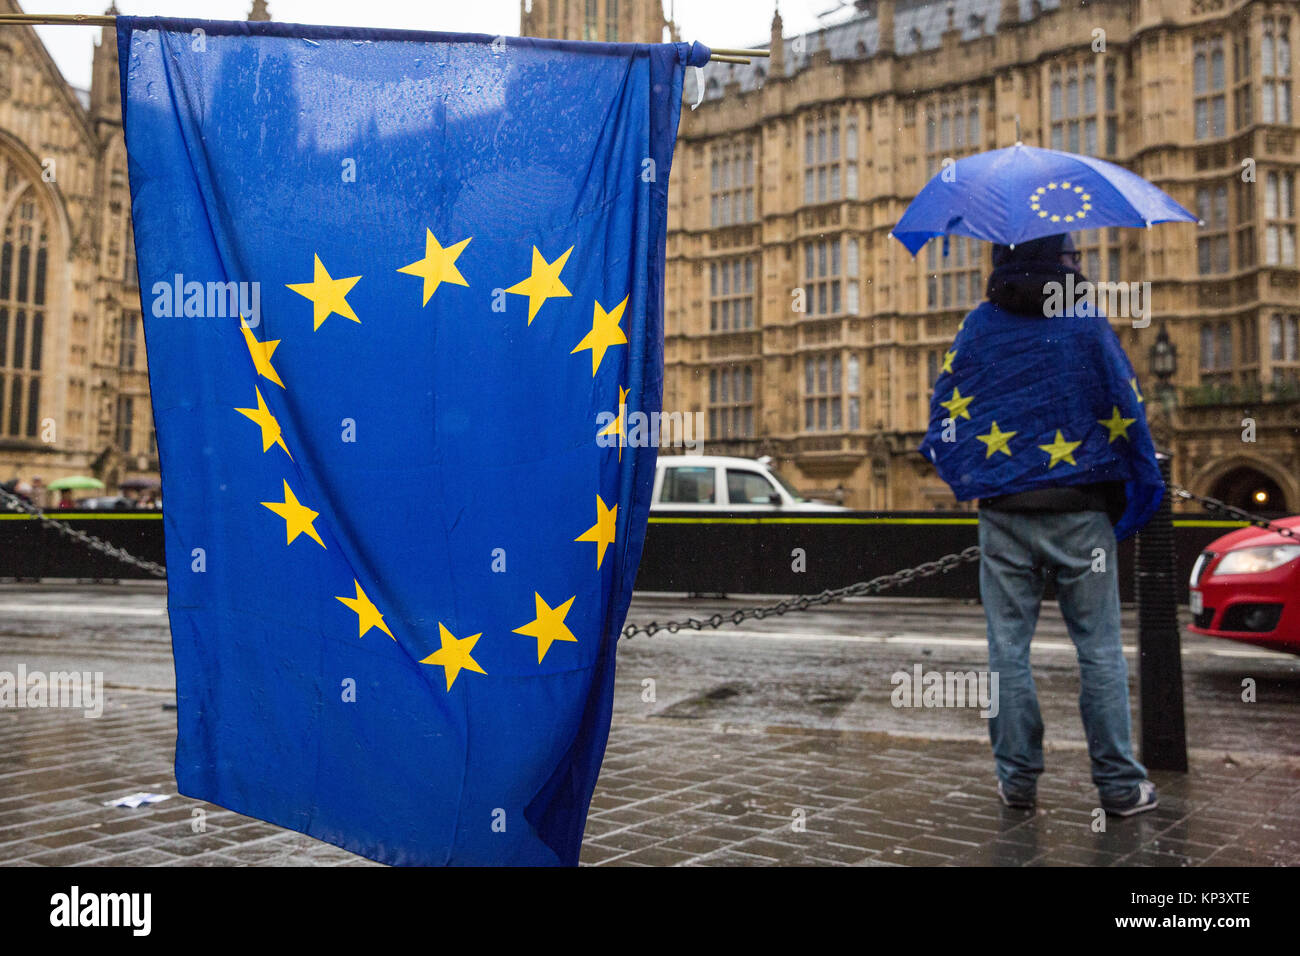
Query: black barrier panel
{"points": [[736, 553], [29, 549], [727, 553]]}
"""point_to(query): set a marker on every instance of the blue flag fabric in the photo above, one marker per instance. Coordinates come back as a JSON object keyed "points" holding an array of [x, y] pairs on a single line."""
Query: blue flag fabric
{"points": [[399, 554], [1027, 402]]}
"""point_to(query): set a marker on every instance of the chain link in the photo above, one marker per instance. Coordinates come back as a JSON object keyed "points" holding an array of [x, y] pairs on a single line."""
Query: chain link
{"points": [[16, 503], [883, 583], [1220, 507]]}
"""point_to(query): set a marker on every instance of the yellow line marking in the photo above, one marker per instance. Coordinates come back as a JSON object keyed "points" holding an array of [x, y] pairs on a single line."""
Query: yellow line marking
{"points": [[1178, 522], [84, 516]]}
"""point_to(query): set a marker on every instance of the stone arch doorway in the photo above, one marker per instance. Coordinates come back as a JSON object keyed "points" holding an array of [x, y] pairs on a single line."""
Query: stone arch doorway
{"points": [[1251, 489]]}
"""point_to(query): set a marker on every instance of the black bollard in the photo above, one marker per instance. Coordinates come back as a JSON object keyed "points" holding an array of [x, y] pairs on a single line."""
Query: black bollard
{"points": [[1160, 664]]}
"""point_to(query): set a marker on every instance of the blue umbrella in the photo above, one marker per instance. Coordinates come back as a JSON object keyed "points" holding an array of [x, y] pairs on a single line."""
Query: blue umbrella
{"points": [[1023, 192]]}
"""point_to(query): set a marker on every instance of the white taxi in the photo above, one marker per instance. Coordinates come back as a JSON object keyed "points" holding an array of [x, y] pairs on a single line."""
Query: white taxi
{"points": [[717, 483]]}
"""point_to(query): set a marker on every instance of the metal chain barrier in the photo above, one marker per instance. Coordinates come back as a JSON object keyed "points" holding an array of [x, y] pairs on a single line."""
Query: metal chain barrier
{"points": [[16, 503], [1214, 505], [874, 586]]}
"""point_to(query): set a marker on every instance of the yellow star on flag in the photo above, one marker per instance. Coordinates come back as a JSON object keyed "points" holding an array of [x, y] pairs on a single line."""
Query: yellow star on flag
{"points": [[261, 353], [453, 656], [548, 626], [618, 426], [604, 334], [1134, 383], [603, 531], [1060, 450], [437, 266], [328, 295], [957, 405], [996, 440], [544, 282], [1116, 424], [297, 518], [368, 615], [265, 421], [948, 357]]}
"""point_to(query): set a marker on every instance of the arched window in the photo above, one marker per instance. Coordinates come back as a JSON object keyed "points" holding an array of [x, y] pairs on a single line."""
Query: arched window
{"points": [[24, 267], [611, 21]]}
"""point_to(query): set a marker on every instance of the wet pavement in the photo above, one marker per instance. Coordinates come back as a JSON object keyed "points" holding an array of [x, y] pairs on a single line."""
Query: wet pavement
{"points": [[775, 744]]}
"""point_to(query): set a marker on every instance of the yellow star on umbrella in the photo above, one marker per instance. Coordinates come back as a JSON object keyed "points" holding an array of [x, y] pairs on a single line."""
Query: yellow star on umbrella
{"points": [[544, 282], [1134, 382], [604, 334], [438, 265], [548, 626], [454, 655], [957, 404], [328, 295], [603, 531], [368, 615], [996, 440], [948, 357], [618, 426], [1060, 450], [1117, 425], [265, 421], [261, 353], [297, 517]]}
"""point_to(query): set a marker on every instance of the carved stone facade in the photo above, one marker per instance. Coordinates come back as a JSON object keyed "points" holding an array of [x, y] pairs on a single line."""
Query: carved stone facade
{"points": [[791, 172], [74, 393], [609, 21], [786, 182]]}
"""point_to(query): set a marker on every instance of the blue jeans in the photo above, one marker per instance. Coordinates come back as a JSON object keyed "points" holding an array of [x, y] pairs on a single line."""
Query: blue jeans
{"points": [[1018, 550]]}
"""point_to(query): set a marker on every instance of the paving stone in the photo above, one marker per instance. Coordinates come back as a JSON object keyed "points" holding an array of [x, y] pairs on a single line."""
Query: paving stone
{"points": [[594, 853], [656, 856], [908, 857], [145, 857], [66, 856], [627, 841]]}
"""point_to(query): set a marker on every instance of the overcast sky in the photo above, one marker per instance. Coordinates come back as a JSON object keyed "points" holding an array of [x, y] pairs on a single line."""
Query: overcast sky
{"points": [[712, 22]]}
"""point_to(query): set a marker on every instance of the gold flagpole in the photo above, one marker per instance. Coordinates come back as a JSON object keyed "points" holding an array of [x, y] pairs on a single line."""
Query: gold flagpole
{"points": [[721, 55], [51, 19]]}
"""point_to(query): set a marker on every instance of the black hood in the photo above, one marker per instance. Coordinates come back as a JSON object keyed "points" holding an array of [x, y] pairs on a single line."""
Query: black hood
{"points": [[1019, 273]]}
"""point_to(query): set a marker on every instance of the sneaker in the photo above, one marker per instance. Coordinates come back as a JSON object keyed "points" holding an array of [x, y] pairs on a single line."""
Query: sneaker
{"points": [[1015, 802], [1146, 800]]}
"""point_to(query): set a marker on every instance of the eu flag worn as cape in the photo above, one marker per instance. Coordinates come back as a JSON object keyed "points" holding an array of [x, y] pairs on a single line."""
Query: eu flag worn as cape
{"points": [[390, 283], [1026, 402]]}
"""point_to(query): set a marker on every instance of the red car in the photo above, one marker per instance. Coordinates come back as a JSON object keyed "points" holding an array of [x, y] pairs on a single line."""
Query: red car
{"points": [[1246, 587]]}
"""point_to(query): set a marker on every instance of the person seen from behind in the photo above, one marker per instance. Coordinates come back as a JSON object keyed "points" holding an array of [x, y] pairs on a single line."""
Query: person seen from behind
{"points": [[1039, 415]]}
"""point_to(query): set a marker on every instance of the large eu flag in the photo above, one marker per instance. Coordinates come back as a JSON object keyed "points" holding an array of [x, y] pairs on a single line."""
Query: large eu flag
{"points": [[390, 280], [1026, 402]]}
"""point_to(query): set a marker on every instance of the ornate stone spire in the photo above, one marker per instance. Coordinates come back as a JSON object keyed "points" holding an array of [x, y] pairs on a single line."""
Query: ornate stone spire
{"points": [[105, 88], [776, 65]]}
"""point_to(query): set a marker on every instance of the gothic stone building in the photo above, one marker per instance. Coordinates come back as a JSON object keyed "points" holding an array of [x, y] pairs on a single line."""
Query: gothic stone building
{"points": [[791, 172], [608, 21], [73, 387], [787, 180]]}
